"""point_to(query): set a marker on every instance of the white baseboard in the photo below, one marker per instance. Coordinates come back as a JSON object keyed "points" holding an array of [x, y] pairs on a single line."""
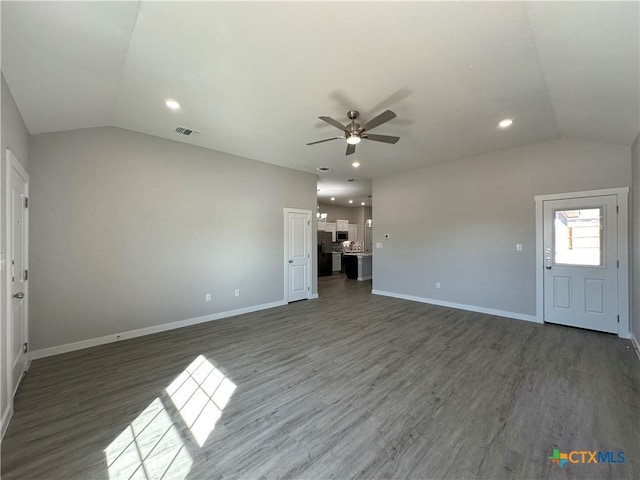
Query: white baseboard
{"points": [[92, 342], [362, 279], [635, 343], [4, 421], [313, 296], [460, 306]]}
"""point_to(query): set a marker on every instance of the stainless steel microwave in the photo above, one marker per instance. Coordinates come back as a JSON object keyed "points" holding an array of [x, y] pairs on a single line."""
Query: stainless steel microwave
{"points": [[342, 236]]}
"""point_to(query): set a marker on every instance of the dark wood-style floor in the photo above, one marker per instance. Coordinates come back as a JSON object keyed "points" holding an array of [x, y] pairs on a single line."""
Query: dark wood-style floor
{"points": [[347, 386]]}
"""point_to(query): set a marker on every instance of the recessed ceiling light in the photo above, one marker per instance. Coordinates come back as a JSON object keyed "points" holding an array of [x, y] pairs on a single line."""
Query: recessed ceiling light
{"points": [[172, 104], [362, 203], [505, 123], [350, 201], [333, 199], [355, 164]]}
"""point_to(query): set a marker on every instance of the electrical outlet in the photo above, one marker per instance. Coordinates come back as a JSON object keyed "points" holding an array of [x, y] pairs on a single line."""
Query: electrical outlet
{"points": [[518, 247], [378, 244], [437, 284], [207, 297], [237, 293]]}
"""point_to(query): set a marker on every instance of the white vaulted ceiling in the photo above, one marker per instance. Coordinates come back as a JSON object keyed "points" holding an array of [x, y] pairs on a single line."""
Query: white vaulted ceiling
{"points": [[254, 77]]}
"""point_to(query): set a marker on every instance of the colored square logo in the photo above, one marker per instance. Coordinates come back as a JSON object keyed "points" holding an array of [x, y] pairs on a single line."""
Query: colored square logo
{"points": [[559, 458]]}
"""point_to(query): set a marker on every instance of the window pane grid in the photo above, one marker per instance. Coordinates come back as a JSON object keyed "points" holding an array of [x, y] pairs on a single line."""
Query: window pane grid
{"points": [[578, 237]]}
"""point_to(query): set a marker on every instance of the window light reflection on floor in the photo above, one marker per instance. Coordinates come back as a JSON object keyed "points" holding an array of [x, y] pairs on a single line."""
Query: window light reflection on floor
{"points": [[200, 393], [151, 447], [148, 448]]}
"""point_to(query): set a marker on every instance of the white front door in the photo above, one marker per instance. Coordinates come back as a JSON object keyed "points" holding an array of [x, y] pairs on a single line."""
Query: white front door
{"points": [[17, 258], [297, 254], [580, 262]]}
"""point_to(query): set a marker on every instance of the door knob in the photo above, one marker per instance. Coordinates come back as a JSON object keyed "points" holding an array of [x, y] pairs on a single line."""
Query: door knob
{"points": [[19, 295], [290, 261], [548, 267]]}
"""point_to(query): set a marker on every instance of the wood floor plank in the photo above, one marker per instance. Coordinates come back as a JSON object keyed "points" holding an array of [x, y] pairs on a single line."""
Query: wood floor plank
{"points": [[346, 386]]}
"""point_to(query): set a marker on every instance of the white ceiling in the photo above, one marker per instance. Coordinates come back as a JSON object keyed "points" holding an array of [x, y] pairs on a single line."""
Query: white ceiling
{"points": [[254, 77]]}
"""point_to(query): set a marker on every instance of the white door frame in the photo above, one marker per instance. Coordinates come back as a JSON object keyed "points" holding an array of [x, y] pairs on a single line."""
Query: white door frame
{"points": [[5, 362], [13, 163], [622, 194], [288, 210]]}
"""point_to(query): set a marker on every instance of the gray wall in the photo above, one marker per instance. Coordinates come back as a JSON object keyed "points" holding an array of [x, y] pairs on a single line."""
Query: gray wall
{"points": [[335, 212], [635, 245], [14, 136], [459, 222], [14, 132], [130, 231]]}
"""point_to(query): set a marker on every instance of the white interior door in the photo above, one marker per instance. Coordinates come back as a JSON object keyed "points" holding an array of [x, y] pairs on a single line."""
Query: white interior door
{"points": [[298, 254], [18, 269], [581, 262]]}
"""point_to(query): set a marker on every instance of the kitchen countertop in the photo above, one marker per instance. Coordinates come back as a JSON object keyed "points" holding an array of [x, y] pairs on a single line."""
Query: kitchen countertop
{"points": [[358, 254]]}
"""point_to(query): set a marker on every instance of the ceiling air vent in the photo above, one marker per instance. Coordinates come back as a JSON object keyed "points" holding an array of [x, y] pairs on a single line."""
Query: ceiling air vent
{"points": [[186, 131]]}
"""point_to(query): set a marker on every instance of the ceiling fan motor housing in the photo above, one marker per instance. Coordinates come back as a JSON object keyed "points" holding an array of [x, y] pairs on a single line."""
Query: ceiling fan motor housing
{"points": [[353, 127]]}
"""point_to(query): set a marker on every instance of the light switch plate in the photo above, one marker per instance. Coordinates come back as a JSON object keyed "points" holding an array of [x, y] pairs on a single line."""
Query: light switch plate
{"points": [[379, 245]]}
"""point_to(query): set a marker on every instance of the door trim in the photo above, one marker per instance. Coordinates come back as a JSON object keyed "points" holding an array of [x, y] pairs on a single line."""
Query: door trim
{"points": [[6, 350], [622, 200], [14, 163], [286, 211]]}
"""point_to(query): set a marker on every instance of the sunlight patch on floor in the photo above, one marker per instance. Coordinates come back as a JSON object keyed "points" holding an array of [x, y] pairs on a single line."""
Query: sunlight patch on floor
{"points": [[148, 448], [200, 394], [151, 447]]}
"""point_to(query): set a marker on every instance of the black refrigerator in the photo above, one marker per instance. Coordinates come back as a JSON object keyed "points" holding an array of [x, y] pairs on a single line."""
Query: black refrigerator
{"points": [[325, 255]]}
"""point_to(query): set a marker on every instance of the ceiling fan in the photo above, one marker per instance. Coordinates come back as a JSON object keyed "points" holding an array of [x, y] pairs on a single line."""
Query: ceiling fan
{"points": [[354, 132]]}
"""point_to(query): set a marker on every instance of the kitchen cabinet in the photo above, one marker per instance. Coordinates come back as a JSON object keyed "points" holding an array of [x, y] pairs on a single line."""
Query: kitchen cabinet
{"points": [[331, 227], [351, 266], [353, 233], [337, 261], [357, 266], [343, 225]]}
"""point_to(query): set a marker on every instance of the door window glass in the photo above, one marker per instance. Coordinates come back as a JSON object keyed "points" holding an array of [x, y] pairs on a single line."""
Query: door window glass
{"points": [[578, 237]]}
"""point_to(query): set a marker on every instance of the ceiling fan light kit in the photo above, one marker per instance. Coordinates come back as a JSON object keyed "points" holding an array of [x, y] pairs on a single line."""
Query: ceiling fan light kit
{"points": [[353, 139], [354, 132]]}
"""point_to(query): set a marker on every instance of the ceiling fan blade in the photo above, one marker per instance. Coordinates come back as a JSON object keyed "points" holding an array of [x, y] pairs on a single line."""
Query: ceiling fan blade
{"points": [[333, 122], [325, 140], [381, 138], [379, 120], [350, 149]]}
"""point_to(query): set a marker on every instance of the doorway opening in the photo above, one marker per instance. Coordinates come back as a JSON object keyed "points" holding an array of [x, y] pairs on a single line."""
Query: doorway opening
{"points": [[344, 241]]}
